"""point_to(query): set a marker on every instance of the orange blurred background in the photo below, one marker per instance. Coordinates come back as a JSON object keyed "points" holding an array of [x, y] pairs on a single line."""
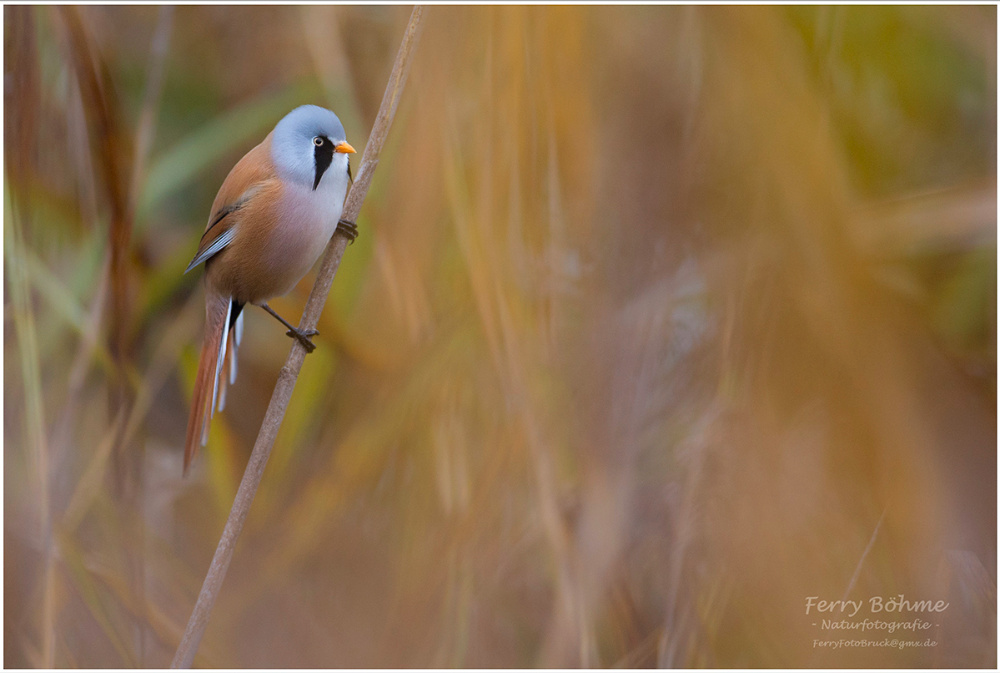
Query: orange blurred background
{"points": [[661, 321]]}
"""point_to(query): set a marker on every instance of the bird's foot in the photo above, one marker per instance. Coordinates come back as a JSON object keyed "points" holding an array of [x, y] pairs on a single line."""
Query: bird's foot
{"points": [[348, 229], [303, 337]]}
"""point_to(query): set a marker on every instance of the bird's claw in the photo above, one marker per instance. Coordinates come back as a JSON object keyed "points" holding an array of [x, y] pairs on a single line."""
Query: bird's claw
{"points": [[348, 229], [303, 337]]}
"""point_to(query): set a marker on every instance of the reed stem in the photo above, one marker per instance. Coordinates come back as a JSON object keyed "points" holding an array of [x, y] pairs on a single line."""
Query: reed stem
{"points": [[184, 656]]}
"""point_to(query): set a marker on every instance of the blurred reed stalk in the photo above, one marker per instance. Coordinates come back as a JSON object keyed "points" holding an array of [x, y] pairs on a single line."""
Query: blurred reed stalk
{"points": [[19, 165], [184, 657], [121, 167], [145, 133], [112, 154]]}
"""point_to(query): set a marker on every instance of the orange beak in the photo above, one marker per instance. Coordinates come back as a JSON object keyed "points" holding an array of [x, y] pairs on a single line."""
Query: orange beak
{"points": [[344, 148]]}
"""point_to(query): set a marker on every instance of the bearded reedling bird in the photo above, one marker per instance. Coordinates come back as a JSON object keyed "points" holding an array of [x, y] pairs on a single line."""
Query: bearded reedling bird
{"points": [[271, 220]]}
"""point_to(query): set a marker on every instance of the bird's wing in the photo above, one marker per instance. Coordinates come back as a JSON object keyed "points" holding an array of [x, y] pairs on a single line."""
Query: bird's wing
{"points": [[245, 181]]}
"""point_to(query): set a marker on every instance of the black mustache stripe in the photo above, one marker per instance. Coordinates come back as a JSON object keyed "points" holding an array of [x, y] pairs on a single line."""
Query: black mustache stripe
{"points": [[323, 154]]}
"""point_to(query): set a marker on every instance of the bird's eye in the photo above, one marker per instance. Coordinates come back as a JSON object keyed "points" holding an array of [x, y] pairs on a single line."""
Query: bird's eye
{"points": [[317, 141]]}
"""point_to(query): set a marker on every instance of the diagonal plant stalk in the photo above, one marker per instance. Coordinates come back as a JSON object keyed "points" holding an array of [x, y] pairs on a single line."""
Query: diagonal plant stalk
{"points": [[184, 656]]}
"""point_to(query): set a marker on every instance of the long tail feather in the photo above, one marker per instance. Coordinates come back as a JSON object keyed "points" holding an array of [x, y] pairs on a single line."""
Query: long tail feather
{"points": [[228, 375], [217, 310], [220, 361]]}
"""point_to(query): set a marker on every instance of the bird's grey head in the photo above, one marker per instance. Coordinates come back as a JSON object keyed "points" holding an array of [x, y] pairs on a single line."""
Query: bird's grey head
{"points": [[308, 143]]}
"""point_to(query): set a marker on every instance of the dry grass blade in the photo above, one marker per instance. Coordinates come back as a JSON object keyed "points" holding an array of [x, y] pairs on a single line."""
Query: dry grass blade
{"points": [[24, 327], [864, 555], [85, 356], [112, 159], [184, 656], [111, 155], [23, 117]]}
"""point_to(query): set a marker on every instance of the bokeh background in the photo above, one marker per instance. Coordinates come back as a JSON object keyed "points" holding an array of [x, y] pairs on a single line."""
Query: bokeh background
{"points": [[661, 320]]}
